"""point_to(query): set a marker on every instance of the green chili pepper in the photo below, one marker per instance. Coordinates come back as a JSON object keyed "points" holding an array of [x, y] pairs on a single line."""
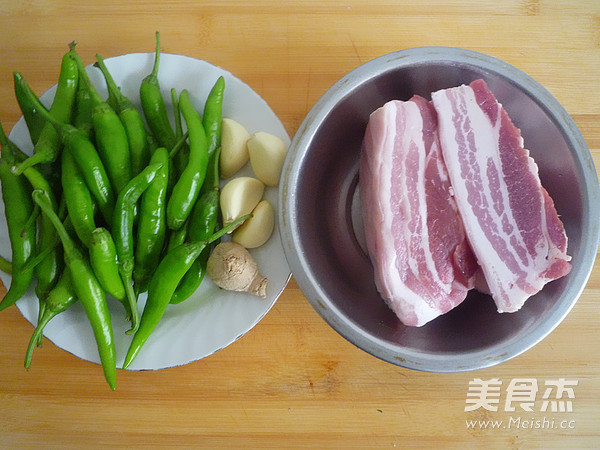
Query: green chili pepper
{"points": [[5, 265], [18, 208], [202, 223], [58, 300], [177, 237], [186, 189], [131, 119], [35, 122], [86, 157], [48, 270], [111, 137], [153, 105], [88, 291], [163, 284], [151, 227], [180, 156], [48, 145], [213, 115], [104, 261], [78, 199], [192, 279], [123, 233], [84, 105]]}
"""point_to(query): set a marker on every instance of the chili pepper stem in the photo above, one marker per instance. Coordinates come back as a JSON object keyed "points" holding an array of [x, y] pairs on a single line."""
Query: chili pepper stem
{"points": [[178, 145], [176, 113], [41, 199], [5, 265], [132, 299], [154, 73], [85, 78], [44, 318], [41, 312], [226, 229], [113, 89], [32, 219], [33, 262]]}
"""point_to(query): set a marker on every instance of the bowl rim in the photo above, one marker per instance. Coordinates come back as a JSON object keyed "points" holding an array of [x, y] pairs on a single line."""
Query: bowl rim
{"points": [[308, 282]]}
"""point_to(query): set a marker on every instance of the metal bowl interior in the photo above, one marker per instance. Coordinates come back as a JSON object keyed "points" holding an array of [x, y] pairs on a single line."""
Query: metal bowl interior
{"points": [[321, 233]]}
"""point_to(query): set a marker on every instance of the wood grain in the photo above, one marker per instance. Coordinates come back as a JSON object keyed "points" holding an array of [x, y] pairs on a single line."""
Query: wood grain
{"points": [[292, 381]]}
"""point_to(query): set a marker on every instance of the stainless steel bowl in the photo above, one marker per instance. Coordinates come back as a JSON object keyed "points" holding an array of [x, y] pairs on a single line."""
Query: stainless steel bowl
{"points": [[321, 236]]}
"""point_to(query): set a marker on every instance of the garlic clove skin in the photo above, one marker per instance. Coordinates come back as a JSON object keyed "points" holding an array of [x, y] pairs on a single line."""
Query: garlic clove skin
{"points": [[239, 197], [234, 151], [267, 154], [257, 230]]}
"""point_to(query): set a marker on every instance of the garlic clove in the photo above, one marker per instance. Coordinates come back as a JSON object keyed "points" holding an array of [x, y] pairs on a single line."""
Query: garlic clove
{"points": [[267, 154], [234, 151], [239, 197], [257, 230]]}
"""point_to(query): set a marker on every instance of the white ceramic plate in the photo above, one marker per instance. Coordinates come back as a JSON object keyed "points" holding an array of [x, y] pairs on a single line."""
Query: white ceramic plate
{"points": [[212, 318]]}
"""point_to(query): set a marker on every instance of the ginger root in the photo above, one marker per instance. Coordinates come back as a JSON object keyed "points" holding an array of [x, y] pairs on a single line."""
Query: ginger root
{"points": [[231, 267]]}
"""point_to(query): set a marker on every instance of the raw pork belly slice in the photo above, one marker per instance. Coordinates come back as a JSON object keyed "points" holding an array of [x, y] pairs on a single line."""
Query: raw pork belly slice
{"points": [[423, 263], [510, 219]]}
